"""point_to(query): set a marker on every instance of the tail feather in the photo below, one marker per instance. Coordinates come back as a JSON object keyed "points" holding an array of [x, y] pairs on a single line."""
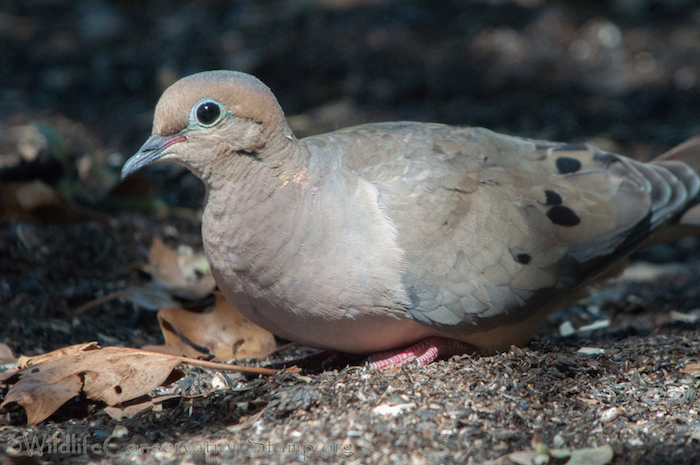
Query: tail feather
{"points": [[684, 162]]}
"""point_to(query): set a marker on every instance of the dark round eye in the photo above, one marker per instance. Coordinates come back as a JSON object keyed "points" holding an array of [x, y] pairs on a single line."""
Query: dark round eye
{"points": [[208, 112]]}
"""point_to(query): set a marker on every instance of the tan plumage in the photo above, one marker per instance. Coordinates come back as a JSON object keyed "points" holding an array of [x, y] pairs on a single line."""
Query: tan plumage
{"points": [[377, 236]]}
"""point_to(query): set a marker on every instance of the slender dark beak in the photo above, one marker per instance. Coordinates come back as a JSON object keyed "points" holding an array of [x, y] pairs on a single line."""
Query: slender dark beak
{"points": [[150, 152]]}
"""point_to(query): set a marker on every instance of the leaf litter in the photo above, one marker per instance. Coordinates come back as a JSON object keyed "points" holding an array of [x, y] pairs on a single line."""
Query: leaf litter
{"points": [[542, 454], [180, 273], [122, 378], [113, 375], [219, 331]]}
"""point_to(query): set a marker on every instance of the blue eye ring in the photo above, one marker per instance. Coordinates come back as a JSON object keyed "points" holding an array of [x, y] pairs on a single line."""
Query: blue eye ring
{"points": [[207, 112]]}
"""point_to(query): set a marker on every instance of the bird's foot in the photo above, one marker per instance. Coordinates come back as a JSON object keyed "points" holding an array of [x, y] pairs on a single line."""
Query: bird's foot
{"points": [[421, 353]]}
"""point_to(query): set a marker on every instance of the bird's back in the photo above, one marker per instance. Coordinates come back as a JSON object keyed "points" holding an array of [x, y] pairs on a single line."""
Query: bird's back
{"points": [[494, 227]]}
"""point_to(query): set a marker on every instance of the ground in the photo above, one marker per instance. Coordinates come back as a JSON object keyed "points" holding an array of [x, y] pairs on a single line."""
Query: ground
{"points": [[625, 75]]}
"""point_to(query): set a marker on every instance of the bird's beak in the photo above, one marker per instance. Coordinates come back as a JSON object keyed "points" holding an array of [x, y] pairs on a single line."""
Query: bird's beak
{"points": [[150, 152]]}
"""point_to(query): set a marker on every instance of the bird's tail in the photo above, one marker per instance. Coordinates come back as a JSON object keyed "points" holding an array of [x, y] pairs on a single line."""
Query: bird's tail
{"points": [[689, 153]]}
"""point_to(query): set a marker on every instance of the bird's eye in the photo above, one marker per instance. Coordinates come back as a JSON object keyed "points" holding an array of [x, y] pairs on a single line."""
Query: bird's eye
{"points": [[207, 113]]}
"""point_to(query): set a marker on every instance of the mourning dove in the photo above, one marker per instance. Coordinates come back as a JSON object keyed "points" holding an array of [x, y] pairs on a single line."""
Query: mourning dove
{"points": [[381, 236]]}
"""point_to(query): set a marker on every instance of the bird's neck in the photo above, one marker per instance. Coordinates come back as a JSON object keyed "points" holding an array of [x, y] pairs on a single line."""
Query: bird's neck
{"points": [[263, 194]]}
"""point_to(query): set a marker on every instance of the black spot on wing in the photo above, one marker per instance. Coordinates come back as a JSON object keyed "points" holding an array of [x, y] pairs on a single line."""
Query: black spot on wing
{"points": [[567, 165], [552, 198], [563, 216], [520, 257]]}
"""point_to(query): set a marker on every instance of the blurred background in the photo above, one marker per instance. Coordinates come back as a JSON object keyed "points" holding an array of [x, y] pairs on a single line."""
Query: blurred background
{"points": [[623, 73]]}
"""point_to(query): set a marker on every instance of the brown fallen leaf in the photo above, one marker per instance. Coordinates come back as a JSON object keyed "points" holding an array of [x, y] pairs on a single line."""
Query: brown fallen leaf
{"points": [[25, 361], [113, 375], [37, 202], [182, 274], [692, 368], [220, 331], [593, 456], [6, 355]]}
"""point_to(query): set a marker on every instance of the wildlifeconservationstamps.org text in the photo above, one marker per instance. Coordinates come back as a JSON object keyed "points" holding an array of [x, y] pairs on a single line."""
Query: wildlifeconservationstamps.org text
{"points": [[73, 444]]}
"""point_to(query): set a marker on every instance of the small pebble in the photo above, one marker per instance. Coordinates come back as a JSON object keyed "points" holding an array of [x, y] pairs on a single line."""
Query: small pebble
{"points": [[610, 414], [566, 329], [600, 324], [591, 351], [393, 410], [558, 442], [120, 431], [220, 381], [689, 318]]}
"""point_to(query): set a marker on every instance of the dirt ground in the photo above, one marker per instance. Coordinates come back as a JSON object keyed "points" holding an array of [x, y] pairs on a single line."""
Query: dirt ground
{"points": [[78, 83]]}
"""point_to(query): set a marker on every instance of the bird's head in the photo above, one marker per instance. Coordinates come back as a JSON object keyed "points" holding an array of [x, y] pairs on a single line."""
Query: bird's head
{"points": [[207, 119]]}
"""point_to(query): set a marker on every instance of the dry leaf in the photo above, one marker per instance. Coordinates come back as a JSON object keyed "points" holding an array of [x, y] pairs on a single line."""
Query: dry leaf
{"points": [[692, 368], [6, 355], [220, 331], [35, 202], [36, 194], [112, 375], [185, 275], [525, 457], [594, 456], [25, 361], [119, 376]]}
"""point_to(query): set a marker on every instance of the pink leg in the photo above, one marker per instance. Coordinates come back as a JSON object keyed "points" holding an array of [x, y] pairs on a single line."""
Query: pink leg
{"points": [[421, 353]]}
